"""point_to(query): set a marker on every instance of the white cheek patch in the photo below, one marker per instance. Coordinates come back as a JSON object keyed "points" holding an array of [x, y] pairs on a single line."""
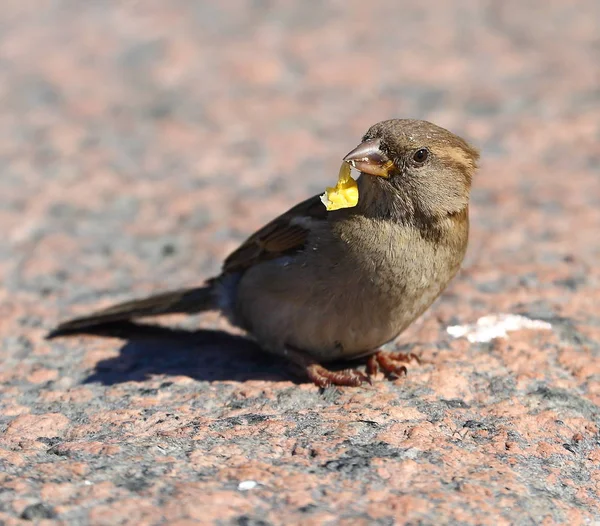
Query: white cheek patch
{"points": [[494, 326]]}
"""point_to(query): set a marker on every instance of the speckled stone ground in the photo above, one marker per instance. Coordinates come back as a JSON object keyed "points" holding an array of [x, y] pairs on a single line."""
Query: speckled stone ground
{"points": [[133, 138]]}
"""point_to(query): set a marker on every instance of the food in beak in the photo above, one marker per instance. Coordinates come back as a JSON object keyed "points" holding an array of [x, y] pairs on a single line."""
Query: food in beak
{"points": [[345, 192]]}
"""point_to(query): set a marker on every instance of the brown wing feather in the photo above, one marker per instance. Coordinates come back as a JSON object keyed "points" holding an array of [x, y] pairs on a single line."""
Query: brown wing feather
{"points": [[276, 238]]}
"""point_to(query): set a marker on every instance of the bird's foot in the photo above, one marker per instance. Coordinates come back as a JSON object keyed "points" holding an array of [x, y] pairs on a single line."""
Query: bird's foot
{"points": [[321, 376], [324, 377], [390, 363]]}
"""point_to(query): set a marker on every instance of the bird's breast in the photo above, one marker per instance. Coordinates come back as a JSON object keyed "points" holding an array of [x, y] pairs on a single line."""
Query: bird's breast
{"points": [[350, 291]]}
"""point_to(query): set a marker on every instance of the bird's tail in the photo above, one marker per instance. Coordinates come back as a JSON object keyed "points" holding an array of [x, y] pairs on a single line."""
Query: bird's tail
{"points": [[185, 301]]}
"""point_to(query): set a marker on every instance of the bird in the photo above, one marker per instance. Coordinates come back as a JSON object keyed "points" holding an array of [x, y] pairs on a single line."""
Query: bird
{"points": [[317, 286]]}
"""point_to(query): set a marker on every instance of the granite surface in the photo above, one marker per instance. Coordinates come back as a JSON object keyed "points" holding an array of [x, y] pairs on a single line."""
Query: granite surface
{"points": [[141, 141]]}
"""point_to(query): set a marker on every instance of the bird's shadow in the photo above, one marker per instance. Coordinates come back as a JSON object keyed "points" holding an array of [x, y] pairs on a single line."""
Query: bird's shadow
{"points": [[205, 355]]}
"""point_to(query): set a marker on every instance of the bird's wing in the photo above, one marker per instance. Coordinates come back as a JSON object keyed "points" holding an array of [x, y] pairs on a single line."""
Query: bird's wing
{"points": [[284, 235]]}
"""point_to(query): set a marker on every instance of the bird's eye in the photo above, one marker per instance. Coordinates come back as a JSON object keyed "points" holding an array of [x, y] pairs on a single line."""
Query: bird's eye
{"points": [[421, 155]]}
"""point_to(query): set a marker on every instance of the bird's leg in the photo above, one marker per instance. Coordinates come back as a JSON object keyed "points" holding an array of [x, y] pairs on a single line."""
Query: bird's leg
{"points": [[372, 365], [321, 376], [390, 362]]}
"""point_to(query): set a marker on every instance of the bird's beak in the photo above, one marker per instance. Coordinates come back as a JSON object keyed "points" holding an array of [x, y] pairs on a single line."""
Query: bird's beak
{"points": [[368, 158]]}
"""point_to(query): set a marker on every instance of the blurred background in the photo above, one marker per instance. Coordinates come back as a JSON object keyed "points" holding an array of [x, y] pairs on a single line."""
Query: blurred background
{"points": [[141, 141]]}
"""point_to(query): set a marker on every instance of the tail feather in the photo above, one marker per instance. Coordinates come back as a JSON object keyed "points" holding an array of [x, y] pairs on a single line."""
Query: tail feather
{"points": [[185, 301]]}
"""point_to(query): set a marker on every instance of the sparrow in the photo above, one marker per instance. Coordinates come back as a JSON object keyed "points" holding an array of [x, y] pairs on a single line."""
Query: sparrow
{"points": [[317, 286]]}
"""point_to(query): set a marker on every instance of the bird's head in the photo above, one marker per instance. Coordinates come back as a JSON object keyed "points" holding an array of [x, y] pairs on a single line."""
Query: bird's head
{"points": [[421, 166]]}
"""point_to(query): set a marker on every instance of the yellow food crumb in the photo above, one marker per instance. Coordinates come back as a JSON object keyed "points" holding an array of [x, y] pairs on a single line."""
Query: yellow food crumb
{"points": [[345, 193]]}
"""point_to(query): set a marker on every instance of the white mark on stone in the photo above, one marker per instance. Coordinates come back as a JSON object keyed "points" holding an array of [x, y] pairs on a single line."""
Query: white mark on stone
{"points": [[495, 326], [246, 485]]}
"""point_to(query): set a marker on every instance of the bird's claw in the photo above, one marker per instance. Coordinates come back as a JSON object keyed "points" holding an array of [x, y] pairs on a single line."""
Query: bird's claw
{"points": [[323, 377], [391, 363]]}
